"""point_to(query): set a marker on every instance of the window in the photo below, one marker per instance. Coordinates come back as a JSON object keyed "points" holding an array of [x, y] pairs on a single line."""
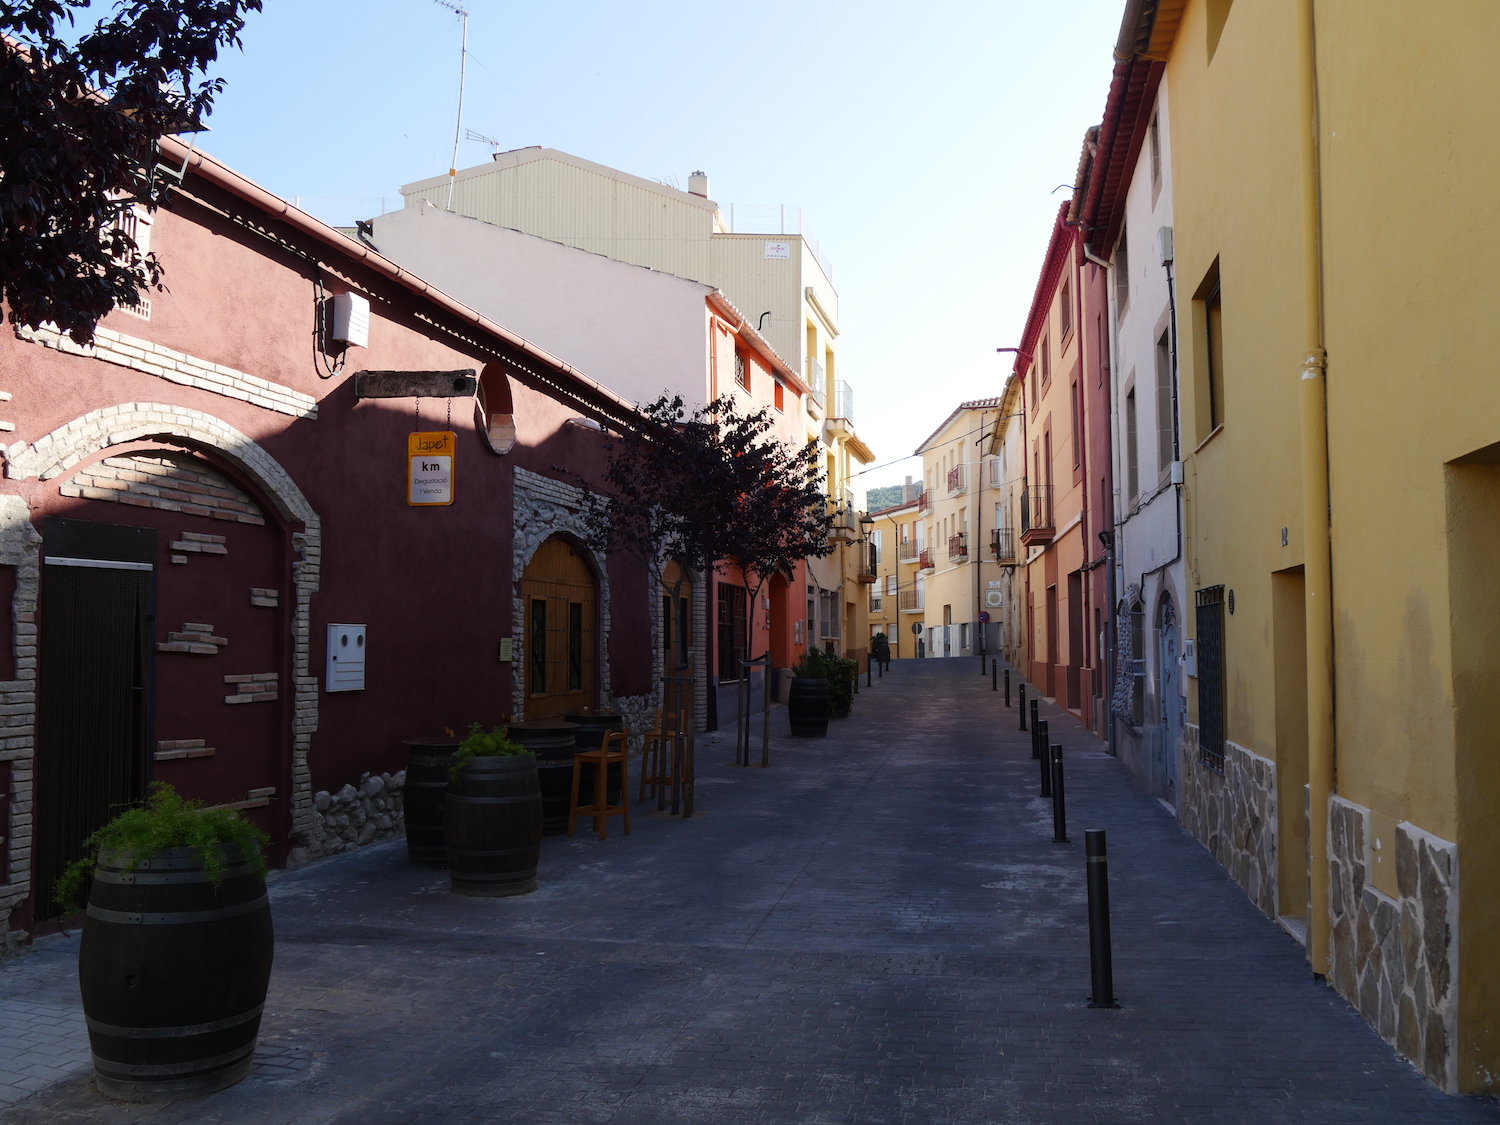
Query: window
{"points": [[780, 395], [1045, 357], [963, 635], [731, 631], [1214, 328], [1208, 366], [538, 646], [891, 583], [741, 370], [1166, 416], [1122, 274], [1211, 677], [1155, 142], [1065, 309], [1075, 397], [1137, 663], [1132, 452]]}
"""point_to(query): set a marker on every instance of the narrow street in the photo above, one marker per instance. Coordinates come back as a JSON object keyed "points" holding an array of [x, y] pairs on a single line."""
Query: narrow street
{"points": [[878, 929]]}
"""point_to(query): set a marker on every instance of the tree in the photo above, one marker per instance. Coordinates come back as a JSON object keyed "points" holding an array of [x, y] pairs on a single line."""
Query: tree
{"points": [[78, 150], [707, 486]]}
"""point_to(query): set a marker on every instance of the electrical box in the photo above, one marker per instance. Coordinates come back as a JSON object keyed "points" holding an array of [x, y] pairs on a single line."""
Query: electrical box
{"points": [[346, 658], [1190, 657], [351, 320], [1164, 245]]}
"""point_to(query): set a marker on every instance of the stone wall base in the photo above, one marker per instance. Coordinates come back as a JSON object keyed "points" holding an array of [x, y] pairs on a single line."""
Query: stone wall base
{"points": [[1396, 959], [1233, 814], [353, 817]]}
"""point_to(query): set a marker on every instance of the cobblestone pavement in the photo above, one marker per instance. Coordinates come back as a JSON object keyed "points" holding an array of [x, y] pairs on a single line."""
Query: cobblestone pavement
{"points": [[878, 929]]}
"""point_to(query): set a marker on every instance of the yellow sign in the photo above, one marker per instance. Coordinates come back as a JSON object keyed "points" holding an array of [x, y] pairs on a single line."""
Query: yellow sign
{"points": [[429, 476]]}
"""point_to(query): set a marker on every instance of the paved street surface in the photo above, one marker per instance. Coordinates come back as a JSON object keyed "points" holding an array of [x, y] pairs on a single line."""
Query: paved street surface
{"points": [[878, 929]]}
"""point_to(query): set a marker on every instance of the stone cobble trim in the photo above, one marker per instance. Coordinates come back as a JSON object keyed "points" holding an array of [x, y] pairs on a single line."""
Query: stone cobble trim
{"points": [[1233, 815], [1396, 959], [168, 483], [20, 547], [178, 367], [354, 816]]}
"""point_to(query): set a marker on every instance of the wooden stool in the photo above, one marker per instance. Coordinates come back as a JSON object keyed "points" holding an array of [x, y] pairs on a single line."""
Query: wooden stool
{"points": [[655, 759], [602, 759]]}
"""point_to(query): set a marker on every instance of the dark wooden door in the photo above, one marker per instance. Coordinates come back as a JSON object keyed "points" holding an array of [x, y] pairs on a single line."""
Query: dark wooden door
{"points": [[94, 707], [561, 663]]}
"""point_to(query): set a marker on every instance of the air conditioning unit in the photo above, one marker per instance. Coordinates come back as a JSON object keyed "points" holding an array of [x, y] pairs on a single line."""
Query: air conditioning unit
{"points": [[351, 320]]}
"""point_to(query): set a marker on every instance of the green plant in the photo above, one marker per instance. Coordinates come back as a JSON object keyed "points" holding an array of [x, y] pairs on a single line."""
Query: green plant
{"points": [[814, 664], [165, 821], [479, 744], [841, 674]]}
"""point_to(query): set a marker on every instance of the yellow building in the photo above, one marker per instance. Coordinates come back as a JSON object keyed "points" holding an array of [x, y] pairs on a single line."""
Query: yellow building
{"points": [[1335, 220], [896, 598]]}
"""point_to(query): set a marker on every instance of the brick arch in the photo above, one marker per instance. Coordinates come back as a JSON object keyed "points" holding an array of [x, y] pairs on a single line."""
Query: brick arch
{"points": [[60, 452]]}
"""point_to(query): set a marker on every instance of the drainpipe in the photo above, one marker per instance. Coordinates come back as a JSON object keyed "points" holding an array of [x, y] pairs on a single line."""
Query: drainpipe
{"points": [[1316, 501]]}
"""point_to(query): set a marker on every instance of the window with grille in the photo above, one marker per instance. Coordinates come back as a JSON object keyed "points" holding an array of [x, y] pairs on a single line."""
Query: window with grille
{"points": [[1211, 677], [732, 608], [741, 371], [538, 641]]}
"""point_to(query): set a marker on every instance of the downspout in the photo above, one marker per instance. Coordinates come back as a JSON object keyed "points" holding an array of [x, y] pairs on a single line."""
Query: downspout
{"points": [[1316, 501]]}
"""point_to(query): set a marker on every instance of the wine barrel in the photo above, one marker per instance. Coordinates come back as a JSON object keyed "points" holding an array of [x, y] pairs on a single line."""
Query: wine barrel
{"points": [[592, 727], [173, 971], [808, 707], [554, 743], [422, 802], [493, 827]]}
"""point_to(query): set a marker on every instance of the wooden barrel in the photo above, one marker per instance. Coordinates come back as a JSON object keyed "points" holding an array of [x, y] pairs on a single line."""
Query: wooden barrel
{"points": [[554, 743], [422, 802], [173, 971], [493, 827], [592, 726], [808, 707]]}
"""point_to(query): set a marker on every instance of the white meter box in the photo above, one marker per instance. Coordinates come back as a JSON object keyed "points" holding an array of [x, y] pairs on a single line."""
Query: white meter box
{"points": [[346, 658]]}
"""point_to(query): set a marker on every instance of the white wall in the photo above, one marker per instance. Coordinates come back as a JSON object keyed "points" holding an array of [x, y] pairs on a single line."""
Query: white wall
{"points": [[637, 331]]}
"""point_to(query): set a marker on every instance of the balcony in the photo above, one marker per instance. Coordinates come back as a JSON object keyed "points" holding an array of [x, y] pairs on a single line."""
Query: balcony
{"points": [[958, 547], [845, 525], [912, 601], [958, 480], [924, 560], [924, 501], [1003, 545], [907, 551], [815, 381], [843, 401], [1036, 516], [867, 573]]}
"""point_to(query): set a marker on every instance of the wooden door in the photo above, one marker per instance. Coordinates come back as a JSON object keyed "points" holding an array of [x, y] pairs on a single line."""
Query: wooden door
{"points": [[558, 596]]}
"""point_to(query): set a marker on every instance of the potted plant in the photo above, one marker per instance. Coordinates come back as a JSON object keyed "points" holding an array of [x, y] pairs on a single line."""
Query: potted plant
{"points": [[176, 949], [808, 705], [880, 649], [842, 671], [492, 818]]}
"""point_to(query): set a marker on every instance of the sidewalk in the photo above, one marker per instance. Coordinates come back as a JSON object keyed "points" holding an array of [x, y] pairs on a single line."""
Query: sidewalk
{"points": [[878, 929]]}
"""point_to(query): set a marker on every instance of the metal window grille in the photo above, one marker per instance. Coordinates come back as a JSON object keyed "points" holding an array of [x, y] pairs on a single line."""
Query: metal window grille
{"points": [[1211, 677], [538, 646]]}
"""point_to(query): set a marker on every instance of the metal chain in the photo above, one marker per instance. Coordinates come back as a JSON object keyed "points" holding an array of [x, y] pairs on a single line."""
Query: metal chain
{"points": [[417, 428]]}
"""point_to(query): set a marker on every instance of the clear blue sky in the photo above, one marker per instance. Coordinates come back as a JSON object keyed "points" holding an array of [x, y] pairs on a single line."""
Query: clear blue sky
{"points": [[923, 141]]}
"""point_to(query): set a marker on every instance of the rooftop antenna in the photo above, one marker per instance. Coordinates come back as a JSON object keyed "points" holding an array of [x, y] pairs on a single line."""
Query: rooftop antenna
{"points": [[463, 66], [470, 135]]}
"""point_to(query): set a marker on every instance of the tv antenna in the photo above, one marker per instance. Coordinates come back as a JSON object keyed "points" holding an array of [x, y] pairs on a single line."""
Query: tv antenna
{"points": [[470, 135], [463, 66]]}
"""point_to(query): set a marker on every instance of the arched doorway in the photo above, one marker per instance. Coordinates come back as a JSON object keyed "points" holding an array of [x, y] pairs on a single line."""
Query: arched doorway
{"points": [[559, 604], [1169, 697]]}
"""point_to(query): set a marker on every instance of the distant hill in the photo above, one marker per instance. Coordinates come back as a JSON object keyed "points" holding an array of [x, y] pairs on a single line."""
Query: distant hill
{"points": [[878, 498]]}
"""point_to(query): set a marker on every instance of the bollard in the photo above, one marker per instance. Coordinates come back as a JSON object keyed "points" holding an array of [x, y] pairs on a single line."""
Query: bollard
{"points": [[1023, 705], [867, 671], [1007, 687], [1042, 754], [1059, 805], [1101, 967], [1035, 725], [882, 670], [994, 676]]}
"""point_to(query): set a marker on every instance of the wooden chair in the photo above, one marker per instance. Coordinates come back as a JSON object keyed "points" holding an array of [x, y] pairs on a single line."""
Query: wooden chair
{"points": [[602, 759], [656, 756]]}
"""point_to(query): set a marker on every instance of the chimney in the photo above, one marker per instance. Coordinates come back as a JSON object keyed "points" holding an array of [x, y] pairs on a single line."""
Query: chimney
{"points": [[698, 184]]}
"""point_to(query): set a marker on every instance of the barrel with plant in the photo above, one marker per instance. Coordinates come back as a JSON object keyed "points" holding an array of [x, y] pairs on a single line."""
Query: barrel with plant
{"points": [[493, 816], [175, 956], [808, 705]]}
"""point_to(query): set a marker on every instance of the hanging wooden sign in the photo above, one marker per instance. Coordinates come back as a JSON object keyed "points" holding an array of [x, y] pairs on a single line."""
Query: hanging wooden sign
{"points": [[429, 474]]}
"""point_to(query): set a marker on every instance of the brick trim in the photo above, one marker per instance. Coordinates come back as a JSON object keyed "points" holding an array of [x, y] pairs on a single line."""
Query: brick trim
{"points": [[58, 452]]}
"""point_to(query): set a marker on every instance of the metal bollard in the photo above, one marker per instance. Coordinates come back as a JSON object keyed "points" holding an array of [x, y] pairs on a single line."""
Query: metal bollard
{"points": [[983, 663], [1101, 967], [1042, 754], [867, 671], [1036, 724], [1023, 705], [994, 675], [1007, 687], [1059, 804]]}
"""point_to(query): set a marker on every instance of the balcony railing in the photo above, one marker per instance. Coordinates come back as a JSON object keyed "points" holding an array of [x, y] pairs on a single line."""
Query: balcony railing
{"points": [[912, 599], [867, 571], [843, 401], [1036, 515], [924, 501], [907, 551], [958, 480], [815, 379], [877, 603], [958, 546], [924, 560], [1003, 545]]}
